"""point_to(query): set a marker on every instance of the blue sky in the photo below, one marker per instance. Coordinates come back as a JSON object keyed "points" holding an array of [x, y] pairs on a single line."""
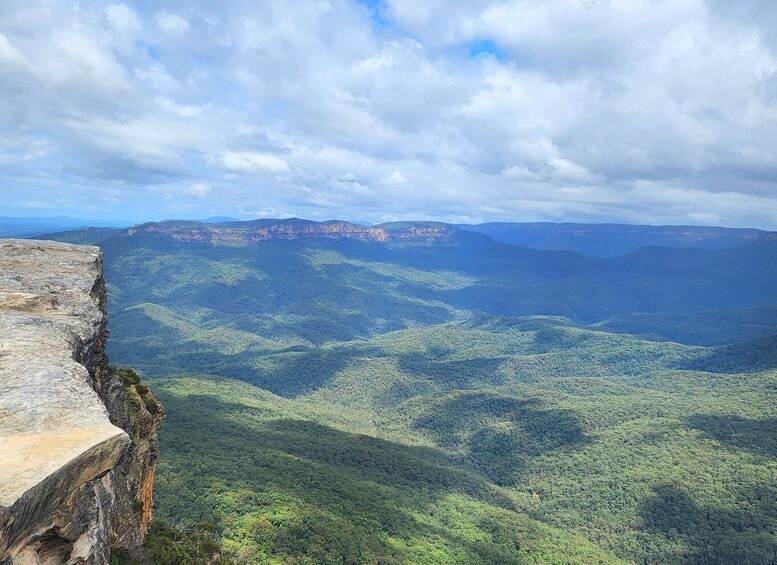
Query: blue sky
{"points": [[640, 111]]}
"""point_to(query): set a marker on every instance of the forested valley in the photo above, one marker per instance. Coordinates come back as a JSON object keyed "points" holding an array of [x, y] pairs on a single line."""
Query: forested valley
{"points": [[454, 401]]}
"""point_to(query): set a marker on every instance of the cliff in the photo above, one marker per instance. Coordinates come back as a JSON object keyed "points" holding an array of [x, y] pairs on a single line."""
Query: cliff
{"points": [[291, 229], [77, 442]]}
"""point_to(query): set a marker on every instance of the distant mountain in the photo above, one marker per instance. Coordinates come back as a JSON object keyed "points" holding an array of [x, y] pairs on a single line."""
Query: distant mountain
{"points": [[506, 279], [220, 219], [32, 227], [610, 240], [244, 232], [596, 240], [83, 236]]}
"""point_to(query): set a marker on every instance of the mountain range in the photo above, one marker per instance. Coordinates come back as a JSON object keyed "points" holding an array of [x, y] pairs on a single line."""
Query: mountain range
{"points": [[609, 240], [599, 240]]}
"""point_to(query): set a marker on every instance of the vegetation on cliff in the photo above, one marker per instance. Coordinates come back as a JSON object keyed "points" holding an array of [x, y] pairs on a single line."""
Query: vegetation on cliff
{"points": [[167, 545]]}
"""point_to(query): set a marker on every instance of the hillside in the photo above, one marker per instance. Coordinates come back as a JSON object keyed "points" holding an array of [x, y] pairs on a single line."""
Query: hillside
{"points": [[610, 240], [714, 327], [452, 399]]}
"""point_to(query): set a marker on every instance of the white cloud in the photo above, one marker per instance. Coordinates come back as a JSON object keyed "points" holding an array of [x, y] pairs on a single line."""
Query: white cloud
{"points": [[248, 162], [157, 77], [199, 189], [395, 177], [74, 60], [172, 24], [183, 110], [10, 57], [122, 17], [37, 204], [654, 111]]}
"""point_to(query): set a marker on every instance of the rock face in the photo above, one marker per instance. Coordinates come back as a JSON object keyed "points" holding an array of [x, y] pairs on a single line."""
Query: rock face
{"points": [[73, 481], [291, 229]]}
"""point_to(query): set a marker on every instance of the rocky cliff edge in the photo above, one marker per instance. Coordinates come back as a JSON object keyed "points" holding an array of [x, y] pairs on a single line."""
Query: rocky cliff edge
{"points": [[73, 481]]}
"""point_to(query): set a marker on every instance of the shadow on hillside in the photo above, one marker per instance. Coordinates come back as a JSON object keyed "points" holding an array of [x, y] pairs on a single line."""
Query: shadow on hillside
{"points": [[451, 373], [155, 348], [273, 290], [759, 354], [499, 434], [349, 490], [294, 373], [287, 373], [713, 535], [756, 436]]}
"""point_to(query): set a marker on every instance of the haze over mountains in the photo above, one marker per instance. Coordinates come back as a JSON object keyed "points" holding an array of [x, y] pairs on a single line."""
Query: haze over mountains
{"points": [[417, 392], [31, 227], [599, 240], [35, 226], [609, 240]]}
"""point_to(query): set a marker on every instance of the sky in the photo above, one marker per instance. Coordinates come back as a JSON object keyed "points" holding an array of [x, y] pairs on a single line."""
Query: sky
{"points": [[634, 111]]}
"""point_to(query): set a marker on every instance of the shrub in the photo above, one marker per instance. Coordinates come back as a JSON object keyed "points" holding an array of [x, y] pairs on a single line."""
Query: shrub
{"points": [[128, 376], [151, 405]]}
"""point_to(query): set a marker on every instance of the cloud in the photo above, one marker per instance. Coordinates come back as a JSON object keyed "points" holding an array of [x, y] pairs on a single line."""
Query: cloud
{"points": [[10, 57], [651, 111], [172, 24], [247, 162], [199, 189], [122, 17], [395, 177]]}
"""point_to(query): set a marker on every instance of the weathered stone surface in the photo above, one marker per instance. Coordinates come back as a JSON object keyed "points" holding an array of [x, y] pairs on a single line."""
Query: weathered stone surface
{"points": [[65, 468]]}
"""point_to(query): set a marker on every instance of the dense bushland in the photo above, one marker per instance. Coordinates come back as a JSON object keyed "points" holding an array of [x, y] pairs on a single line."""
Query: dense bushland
{"points": [[458, 402]]}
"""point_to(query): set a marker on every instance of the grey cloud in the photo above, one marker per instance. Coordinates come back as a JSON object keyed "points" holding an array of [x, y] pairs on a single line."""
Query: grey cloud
{"points": [[126, 170]]}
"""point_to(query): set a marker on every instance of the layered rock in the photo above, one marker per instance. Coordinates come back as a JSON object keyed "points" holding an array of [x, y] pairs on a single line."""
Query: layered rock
{"points": [[291, 229], [72, 482]]}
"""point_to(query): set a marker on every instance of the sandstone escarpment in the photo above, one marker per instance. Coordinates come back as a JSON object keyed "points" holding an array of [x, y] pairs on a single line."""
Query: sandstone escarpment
{"points": [[291, 229], [73, 482]]}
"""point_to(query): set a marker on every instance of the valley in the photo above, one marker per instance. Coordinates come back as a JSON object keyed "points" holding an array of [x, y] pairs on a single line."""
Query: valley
{"points": [[439, 397]]}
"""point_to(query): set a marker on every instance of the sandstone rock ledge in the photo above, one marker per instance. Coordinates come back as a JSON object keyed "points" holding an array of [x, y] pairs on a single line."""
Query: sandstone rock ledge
{"points": [[66, 471]]}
